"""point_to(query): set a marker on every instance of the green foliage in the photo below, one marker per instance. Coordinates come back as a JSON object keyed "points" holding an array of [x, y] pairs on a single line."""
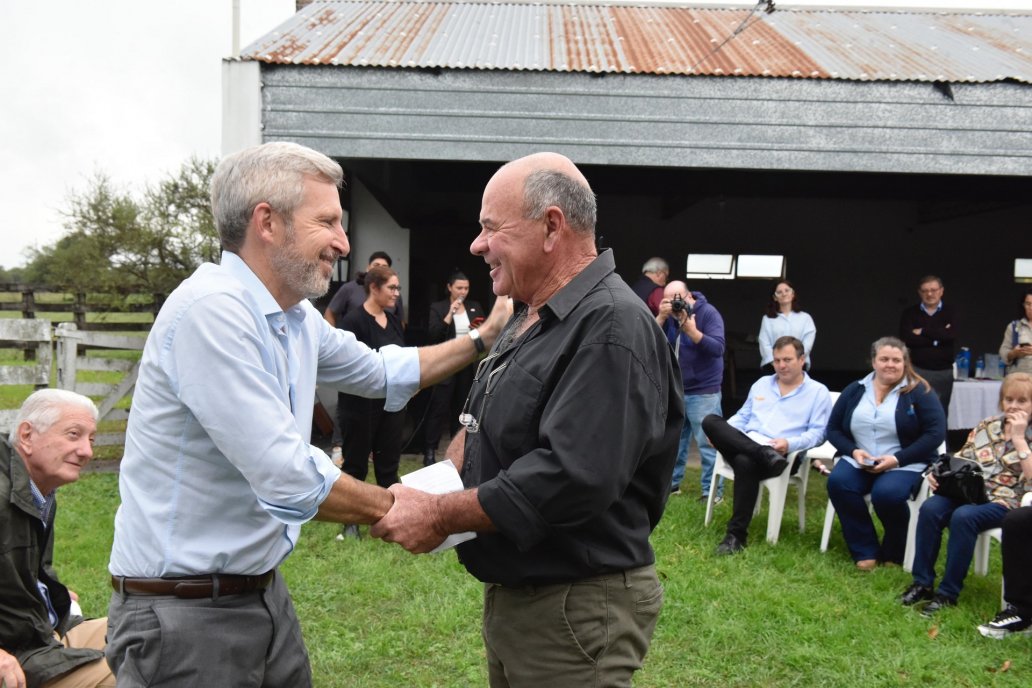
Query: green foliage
{"points": [[122, 243], [784, 615]]}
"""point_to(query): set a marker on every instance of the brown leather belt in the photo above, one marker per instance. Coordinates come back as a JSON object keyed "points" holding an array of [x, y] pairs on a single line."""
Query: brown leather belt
{"points": [[192, 587]]}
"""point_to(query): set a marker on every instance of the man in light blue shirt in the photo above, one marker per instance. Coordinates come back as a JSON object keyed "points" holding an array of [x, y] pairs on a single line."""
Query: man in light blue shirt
{"points": [[219, 473], [785, 412]]}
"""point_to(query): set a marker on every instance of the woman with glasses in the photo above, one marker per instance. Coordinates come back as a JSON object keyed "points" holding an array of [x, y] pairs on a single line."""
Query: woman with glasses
{"points": [[367, 427], [452, 317], [784, 319]]}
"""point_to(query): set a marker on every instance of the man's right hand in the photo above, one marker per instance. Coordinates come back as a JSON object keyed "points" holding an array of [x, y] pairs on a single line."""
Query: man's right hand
{"points": [[11, 674]]}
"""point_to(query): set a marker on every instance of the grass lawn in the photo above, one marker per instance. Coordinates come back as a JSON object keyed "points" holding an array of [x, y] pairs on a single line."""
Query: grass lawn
{"points": [[787, 615]]}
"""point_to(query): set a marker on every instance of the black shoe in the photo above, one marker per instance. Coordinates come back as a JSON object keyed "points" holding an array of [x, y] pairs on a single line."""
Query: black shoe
{"points": [[774, 461], [916, 593], [730, 545], [938, 602], [429, 457], [1007, 622]]}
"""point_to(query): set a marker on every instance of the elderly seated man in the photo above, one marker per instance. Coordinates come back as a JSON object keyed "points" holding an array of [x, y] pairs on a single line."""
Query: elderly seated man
{"points": [[785, 412], [42, 642]]}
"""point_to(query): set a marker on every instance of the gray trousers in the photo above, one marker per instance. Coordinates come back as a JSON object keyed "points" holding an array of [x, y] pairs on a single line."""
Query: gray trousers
{"points": [[590, 633], [251, 640], [942, 382]]}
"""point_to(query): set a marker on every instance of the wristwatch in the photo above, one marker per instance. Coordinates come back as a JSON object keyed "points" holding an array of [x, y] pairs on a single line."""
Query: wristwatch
{"points": [[1022, 455], [477, 341]]}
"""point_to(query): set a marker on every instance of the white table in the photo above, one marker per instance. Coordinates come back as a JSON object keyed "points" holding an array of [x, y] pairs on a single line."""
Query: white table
{"points": [[972, 402]]}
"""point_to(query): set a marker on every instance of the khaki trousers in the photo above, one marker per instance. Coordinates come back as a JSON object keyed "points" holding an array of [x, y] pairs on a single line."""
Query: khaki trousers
{"points": [[90, 634], [590, 633]]}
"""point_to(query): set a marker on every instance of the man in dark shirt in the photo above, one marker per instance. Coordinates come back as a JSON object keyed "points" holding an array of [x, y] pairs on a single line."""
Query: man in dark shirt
{"points": [[929, 329], [649, 287], [571, 430]]}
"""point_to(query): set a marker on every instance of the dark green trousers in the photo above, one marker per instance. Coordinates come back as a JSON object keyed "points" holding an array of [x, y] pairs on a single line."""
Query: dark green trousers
{"points": [[590, 633]]}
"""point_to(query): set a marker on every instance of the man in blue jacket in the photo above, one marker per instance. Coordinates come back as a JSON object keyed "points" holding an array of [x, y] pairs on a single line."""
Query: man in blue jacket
{"points": [[696, 331]]}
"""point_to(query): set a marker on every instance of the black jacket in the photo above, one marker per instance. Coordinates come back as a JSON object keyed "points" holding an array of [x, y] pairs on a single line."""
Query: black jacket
{"points": [[26, 554], [441, 331]]}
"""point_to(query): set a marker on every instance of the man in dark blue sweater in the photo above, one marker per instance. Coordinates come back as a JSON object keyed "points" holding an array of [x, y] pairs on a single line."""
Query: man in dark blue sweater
{"points": [[929, 329]]}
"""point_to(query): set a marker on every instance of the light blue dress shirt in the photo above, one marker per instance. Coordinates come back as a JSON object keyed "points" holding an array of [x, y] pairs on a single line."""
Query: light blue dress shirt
{"points": [[218, 473], [801, 416], [874, 425]]}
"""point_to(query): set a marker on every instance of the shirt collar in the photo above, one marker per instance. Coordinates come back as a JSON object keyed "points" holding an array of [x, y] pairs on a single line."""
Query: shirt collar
{"points": [[566, 299], [235, 266], [44, 504], [774, 384], [868, 381], [937, 308]]}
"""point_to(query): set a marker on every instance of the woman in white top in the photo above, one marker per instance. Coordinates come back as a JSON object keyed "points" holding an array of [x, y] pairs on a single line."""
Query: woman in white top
{"points": [[784, 319]]}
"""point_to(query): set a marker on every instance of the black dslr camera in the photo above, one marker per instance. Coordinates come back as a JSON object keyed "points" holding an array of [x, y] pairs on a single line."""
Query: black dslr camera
{"points": [[678, 304]]}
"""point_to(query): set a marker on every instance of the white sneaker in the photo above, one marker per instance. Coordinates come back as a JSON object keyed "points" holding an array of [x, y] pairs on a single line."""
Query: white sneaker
{"points": [[337, 457]]}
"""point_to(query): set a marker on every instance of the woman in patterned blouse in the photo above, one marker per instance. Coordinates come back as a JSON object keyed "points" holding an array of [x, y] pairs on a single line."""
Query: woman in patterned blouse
{"points": [[1001, 445]]}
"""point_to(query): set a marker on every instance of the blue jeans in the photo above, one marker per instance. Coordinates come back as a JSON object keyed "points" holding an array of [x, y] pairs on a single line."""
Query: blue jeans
{"points": [[697, 407], [889, 494], [965, 523]]}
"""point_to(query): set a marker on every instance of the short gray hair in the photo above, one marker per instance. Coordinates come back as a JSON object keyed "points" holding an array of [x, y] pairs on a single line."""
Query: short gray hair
{"points": [[655, 265], [545, 188], [43, 408], [271, 173]]}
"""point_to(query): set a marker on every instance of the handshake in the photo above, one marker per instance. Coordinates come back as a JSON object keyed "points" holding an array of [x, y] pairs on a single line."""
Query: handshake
{"points": [[420, 519]]}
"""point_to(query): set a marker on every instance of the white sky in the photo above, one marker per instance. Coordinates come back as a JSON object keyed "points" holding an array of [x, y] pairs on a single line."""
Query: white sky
{"points": [[132, 88]]}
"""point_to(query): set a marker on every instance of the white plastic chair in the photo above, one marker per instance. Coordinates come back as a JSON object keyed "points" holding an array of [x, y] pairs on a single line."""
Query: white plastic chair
{"points": [[777, 487], [982, 548], [914, 504]]}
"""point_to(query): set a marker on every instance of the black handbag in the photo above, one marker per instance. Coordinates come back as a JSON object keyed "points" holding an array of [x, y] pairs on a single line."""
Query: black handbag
{"points": [[959, 479]]}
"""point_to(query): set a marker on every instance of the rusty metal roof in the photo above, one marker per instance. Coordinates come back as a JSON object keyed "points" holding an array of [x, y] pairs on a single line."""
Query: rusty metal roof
{"points": [[823, 44]]}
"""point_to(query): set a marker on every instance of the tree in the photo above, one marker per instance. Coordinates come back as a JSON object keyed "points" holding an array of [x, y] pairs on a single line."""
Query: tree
{"points": [[116, 242]]}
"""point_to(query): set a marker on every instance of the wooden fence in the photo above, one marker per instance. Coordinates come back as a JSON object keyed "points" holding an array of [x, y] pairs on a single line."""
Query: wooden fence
{"points": [[80, 346], [31, 301]]}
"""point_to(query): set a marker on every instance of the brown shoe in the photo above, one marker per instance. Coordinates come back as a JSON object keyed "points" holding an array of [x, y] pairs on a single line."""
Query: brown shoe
{"points": [[867, 564]]}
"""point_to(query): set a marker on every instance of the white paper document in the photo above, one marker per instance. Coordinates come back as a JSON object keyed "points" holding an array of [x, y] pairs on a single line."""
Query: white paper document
{"points": [[439, 478], [758, 438]]}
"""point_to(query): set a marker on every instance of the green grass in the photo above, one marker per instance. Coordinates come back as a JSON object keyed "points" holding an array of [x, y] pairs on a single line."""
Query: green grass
{"points": [[786, 615]]}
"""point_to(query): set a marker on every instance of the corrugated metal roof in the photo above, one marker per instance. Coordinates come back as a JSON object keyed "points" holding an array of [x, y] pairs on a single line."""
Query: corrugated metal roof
{"points": [[836, 44]]}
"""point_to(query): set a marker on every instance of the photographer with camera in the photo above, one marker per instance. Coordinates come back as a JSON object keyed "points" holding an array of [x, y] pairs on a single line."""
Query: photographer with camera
{"points": [[696, 331]]}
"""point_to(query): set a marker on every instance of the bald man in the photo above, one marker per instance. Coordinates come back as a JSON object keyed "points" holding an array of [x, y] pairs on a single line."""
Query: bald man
{"points": [[571, 430]]}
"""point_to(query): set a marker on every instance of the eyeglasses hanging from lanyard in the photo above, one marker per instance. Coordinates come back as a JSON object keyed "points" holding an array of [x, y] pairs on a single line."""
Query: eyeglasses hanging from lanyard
{"points": [[486, 366]]}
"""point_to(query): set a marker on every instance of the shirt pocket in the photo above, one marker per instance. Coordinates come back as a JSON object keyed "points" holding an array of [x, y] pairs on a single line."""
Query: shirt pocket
{"points": [[511, 412]]}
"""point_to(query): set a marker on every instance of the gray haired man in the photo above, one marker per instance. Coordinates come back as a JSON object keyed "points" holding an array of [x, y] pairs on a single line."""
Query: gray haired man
{"points": [[43, 641], [219, 473]]}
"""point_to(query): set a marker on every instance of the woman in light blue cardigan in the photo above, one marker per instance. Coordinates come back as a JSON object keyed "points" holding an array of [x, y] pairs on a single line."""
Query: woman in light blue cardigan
{"points": [[887, 427]]}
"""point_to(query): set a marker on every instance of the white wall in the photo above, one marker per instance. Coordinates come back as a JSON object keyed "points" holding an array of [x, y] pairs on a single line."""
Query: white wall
{"points": [[371, 229]]}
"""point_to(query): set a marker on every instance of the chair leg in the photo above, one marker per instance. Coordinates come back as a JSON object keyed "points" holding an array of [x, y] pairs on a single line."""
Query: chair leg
{"points": [[778, 494], [712, 496], [982, 549], [908, 553], [801, 489], [829, 518]]}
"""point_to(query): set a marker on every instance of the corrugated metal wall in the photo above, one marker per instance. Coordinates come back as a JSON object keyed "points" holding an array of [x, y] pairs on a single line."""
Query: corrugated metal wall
{"points": [[665, 121]]}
